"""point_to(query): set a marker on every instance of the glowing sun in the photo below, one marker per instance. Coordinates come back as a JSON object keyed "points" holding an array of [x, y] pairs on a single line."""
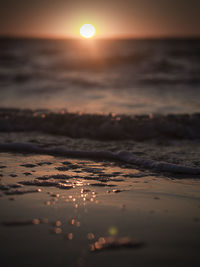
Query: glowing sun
{"points": [[87, 31]]}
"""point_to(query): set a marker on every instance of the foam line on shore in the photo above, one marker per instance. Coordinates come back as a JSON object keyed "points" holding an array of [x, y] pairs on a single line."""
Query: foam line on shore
{"points": [[123, 156]]}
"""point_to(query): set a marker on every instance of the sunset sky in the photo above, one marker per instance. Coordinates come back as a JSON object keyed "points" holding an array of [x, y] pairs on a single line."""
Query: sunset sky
{"points": [[112, 18]]}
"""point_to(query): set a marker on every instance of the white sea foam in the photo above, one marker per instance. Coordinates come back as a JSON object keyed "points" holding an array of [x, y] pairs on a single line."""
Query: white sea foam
{"points": [[123, 156]]}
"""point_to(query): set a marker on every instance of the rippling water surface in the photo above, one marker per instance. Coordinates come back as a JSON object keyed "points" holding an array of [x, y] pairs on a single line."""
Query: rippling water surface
{"points": [[101, 76]]}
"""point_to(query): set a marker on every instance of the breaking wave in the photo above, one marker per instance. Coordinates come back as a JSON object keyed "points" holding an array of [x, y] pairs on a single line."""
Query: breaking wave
{"points": [[102, 127]]}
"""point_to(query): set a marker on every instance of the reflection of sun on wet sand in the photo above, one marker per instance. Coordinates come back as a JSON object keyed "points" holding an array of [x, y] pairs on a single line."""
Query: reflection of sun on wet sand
{"points": [[71, 208]]}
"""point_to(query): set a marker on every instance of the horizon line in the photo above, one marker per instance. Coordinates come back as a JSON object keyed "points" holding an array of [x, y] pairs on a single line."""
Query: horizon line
{"points": [[153, 37]]}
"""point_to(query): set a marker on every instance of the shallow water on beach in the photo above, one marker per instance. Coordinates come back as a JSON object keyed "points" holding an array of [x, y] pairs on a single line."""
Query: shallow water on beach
{"points": [[57, 226]]}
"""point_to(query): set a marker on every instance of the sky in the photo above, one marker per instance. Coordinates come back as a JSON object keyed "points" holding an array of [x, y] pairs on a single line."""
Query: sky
{"points": [[112, 18]]}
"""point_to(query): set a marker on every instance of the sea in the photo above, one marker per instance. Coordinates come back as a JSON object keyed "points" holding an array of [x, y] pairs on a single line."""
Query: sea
{"points": [[101, 76], [99, 152], [93, 91]]}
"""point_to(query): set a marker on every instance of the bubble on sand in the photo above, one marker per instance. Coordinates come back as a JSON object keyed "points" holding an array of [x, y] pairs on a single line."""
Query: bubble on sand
{"points": [[70, 236], [58, 223], [116, 190], [78, 224], [72, 221], [90, 236], [56, 231], [85, 191], [36, 221]]}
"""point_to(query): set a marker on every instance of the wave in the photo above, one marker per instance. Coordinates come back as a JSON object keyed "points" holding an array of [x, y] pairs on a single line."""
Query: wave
{"points": [[102, 127], [123, 156]]}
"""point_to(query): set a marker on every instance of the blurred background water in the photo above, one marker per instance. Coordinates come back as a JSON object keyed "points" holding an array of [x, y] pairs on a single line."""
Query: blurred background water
{"points": [[101, 76]]}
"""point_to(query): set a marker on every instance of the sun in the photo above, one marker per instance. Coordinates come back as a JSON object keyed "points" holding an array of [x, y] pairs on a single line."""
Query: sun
{"points": [[87, 31]]}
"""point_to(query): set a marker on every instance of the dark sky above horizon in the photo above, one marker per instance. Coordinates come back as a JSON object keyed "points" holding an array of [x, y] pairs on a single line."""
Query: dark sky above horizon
{"points": [[112, 18]]}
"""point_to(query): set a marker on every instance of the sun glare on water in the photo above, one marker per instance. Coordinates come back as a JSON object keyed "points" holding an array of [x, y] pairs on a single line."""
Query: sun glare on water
{"points": [[87, 31]]}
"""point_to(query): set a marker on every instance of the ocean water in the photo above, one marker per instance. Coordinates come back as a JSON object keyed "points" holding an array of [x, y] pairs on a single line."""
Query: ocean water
{"points": [[108, 95], [101, 76], [99, 152]]}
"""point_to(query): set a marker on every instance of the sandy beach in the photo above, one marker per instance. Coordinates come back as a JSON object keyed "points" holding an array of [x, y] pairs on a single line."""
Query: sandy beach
{"points": [[58, 211]]}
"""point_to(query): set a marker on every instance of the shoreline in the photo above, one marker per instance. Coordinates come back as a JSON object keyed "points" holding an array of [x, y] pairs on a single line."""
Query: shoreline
{"points": [[163, 214]]}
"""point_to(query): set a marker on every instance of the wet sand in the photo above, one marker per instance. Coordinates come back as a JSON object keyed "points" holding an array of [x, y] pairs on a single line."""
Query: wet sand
{"points": [[59, 211]]}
